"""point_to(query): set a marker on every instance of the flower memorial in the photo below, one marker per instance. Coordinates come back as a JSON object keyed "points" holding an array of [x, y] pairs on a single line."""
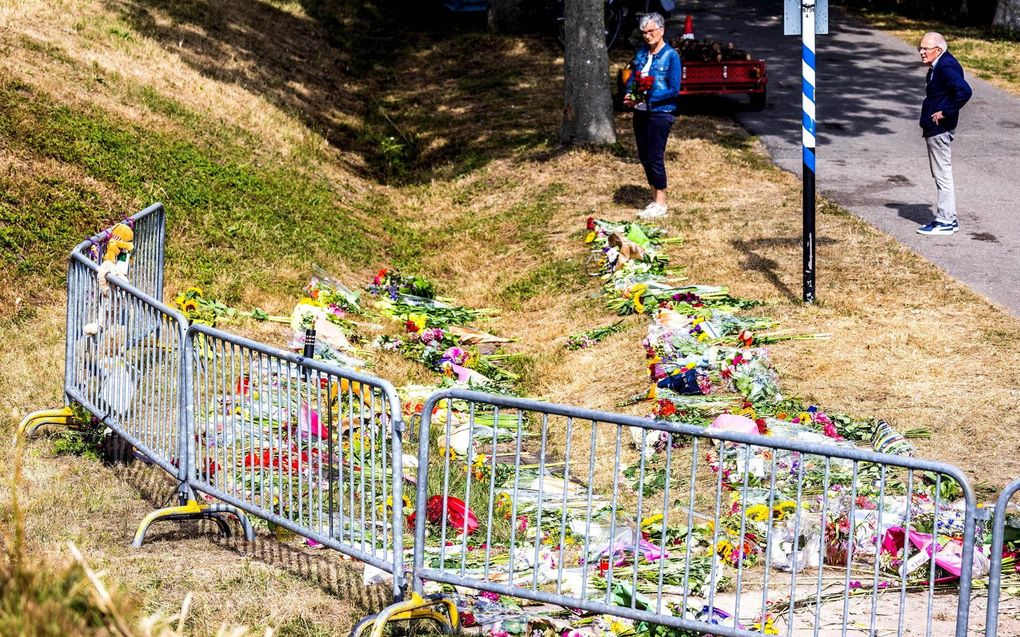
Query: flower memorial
{"points": [[504, 506]]}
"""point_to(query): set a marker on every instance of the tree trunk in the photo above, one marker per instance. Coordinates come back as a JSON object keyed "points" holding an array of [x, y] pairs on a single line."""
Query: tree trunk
{"points": [[588, 104], [1007, 15]]}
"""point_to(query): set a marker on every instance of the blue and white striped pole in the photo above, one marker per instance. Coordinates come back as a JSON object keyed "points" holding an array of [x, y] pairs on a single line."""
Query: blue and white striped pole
{"points": [[808, 105]]}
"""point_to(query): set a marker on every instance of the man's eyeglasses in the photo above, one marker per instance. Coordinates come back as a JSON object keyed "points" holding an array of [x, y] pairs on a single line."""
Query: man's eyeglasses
{"points": [[925, 49], [650, 31]]}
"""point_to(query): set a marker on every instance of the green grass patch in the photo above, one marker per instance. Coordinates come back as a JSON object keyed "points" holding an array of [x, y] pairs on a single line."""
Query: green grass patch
{"points": [[553, 277], [226, 210], [532, 218]]}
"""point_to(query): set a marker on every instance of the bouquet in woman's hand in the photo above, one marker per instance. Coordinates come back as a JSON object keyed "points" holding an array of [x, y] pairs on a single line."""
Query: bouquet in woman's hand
{"points": [[640, 87]]}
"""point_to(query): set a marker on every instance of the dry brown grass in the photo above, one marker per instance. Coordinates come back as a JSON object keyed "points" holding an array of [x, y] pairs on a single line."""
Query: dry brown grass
{"points": [[497, 203]]}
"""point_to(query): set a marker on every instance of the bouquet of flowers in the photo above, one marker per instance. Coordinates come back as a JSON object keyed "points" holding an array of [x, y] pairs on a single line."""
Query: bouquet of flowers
{"points": [[639, 87]]}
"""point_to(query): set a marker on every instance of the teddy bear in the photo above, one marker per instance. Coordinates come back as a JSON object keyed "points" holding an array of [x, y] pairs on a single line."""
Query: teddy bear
{"points": [[115, 262]]}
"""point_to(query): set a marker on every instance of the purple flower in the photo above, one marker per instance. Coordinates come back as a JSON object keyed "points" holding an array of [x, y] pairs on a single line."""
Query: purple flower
{"points": [[854, 585], [454, 355]]}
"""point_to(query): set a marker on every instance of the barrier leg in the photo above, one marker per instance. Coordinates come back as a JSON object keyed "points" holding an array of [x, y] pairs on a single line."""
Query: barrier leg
{"points": [[417, 608], [192, 509], [63, 416]]}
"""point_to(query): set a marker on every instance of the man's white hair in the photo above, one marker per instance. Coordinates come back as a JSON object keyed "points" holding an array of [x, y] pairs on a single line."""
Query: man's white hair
{"points": [[937, 40]]}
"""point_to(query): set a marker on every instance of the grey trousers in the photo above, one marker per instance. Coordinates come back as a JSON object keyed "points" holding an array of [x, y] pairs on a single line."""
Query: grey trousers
{"points": [[941, 162]]}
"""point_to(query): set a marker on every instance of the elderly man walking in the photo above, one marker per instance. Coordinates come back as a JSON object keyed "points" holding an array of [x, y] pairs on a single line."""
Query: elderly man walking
{"points": [[945, 94]]}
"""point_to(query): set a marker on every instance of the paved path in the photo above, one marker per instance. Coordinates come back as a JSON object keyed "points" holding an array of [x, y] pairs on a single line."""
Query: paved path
{"points": [[871, 156]]}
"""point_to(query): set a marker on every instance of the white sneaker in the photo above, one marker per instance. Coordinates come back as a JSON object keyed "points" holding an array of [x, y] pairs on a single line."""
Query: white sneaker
{"points": [[653, 211]]}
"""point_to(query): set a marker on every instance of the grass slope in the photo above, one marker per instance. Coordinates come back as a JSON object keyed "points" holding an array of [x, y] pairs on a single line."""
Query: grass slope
{"points": [[282, 134]]}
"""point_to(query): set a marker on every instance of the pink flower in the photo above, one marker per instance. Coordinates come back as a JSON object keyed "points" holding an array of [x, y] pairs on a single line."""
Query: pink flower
{"points": [[308, 424], [830, 430]]}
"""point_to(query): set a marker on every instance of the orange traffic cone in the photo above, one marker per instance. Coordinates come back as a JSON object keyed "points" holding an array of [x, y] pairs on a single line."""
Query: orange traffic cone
{"points": [[688, 28]]}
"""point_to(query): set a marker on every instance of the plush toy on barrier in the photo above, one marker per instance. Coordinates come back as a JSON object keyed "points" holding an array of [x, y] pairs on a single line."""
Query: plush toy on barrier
{"points": [[115, 262]]}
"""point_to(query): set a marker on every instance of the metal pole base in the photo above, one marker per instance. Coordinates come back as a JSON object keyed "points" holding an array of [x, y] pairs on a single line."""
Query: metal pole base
{"points": [[63, 417], [417, 608], [193, 510]]}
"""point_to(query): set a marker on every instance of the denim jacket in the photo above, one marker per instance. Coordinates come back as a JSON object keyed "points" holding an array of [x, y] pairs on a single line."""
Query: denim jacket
{"points": [[665, 70]]}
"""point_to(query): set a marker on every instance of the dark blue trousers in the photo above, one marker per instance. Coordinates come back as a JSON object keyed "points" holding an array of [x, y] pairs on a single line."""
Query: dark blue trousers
{"points": [[651, 130]]}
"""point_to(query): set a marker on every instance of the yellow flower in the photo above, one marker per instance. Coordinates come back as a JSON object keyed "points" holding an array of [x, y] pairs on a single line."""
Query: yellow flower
{"points": [[650, 520], [590, 237], [652, 392], [724, 548], [418, 320], [784, 509], [757, 513], [638, 306], [194, 290], [804, 416]]}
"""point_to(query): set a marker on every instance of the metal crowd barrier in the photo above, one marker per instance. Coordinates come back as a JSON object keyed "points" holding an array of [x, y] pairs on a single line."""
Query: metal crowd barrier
{"points": [[230, 418], [308, 446], [566, 523], [995, 570]]}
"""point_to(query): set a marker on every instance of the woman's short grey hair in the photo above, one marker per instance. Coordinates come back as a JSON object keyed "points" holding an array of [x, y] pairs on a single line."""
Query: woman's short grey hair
{"points": [[660, 22]]}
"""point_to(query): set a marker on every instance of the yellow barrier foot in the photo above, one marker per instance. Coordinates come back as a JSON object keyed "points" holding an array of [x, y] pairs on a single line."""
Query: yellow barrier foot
{"points": [[63, 416], [417, 608], [193, 510]]}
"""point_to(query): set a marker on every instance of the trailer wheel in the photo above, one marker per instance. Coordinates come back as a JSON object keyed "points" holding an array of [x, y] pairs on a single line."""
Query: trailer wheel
{"points": [[758, 100]]}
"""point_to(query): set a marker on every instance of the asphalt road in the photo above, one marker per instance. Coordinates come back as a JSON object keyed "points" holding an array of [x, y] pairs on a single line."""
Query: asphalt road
{"points": [[871, 156]]}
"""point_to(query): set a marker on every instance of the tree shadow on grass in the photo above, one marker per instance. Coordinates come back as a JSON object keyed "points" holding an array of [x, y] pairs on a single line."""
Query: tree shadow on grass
{"points": [[395, 83]]}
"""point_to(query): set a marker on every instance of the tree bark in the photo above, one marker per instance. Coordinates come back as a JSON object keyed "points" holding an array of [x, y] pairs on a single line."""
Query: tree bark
{"points": [[1007, 15], [588, 103]]}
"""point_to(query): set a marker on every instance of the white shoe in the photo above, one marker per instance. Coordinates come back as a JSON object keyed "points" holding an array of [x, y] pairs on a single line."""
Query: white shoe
{"points": [[653, 211]]}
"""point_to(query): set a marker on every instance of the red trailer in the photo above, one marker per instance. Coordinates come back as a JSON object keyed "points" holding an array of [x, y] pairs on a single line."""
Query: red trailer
{"points": [[728, 71], [728, 77]]}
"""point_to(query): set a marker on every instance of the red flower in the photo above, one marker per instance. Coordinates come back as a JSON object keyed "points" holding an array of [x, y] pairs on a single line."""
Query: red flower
{"points": [[411, 326], [242, 385], [590, 224], [380, 276], [762, 427], [665, 409], [211, 467], [458, 515]]}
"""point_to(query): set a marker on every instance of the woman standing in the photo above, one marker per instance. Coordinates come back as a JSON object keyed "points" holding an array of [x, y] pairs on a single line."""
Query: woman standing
{"points": [[652, 90]]}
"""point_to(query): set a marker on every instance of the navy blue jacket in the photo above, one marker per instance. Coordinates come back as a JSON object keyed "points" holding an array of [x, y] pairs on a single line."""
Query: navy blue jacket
{"points": [[946, 91]]}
